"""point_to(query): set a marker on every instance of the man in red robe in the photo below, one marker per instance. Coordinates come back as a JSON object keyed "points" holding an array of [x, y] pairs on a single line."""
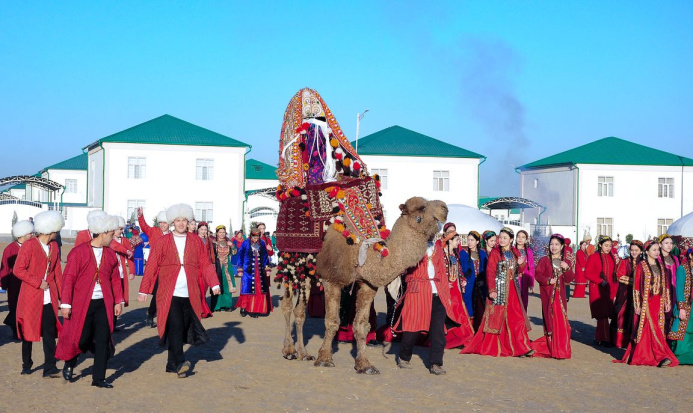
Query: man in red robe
{"points": [[91, 295], [154, 234], [126, 266], [84, 236], [601, 273], [39, 269], [427, 306], [176, 262], [22, 232]]}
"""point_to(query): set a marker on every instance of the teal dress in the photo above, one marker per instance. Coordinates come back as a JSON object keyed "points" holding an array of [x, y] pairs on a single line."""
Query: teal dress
{"points": [[224, 301], [682, 330]]}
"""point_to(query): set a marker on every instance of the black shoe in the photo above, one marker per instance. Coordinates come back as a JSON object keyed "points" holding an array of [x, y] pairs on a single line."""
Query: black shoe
{"points": [[150, 322], [244, 312], [68, 372], [183, 369], [26, 370], [170, 368], [254, 315], [52, 373], [102, 384]]}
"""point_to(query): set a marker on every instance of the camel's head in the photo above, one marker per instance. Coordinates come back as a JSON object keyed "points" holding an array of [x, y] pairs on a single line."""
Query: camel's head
{"points": [[426, 217]]}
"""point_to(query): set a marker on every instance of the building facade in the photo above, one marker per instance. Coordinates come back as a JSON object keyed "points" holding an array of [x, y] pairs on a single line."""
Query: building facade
{"points": [[412, 164], [610, 186]]}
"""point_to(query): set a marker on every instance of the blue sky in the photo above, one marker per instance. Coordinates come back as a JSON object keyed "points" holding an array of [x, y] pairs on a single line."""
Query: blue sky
{"points": [[514, 81]]}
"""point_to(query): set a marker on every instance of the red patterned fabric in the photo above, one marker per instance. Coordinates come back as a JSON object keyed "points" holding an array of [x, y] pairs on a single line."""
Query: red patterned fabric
{"points": [[554, 306], [601, 298], [164, 265], [154, 233], [30, 267], [463, 334], [418, 298], [297, 232], [580, 280], [121, 249], [82, 237], [78, 286], [11, 283]]}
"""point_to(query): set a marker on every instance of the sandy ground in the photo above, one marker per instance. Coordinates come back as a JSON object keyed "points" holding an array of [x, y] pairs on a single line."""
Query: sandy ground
{"points": [[242, 369]]}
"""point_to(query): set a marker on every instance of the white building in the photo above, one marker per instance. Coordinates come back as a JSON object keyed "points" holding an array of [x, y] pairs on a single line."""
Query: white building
{"points": [[610, 186], [261, 203], [412, 164], [166, 161]]}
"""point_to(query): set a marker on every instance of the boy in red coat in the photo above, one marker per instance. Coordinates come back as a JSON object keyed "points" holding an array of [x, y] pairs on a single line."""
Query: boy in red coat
{"points": [[154, 234], [176, 262], [91, 296], [39, 269], [22, 231]]}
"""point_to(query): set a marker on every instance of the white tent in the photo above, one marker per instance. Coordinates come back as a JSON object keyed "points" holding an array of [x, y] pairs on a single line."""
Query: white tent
{"points": [[468, 218], [683, 226]]}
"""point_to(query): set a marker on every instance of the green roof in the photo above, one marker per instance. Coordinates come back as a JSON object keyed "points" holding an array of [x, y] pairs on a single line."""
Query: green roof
{"points": [[399, 141], [169, 130], [611, 151], [255, 169], [77, 163]]}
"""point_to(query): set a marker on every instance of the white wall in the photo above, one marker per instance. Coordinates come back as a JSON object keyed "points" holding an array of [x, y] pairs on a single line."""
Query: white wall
{"points": [[23, 212], [635, 206], [60, 176], [171, 179], [413, 176], [555, 190], [95, 182]]}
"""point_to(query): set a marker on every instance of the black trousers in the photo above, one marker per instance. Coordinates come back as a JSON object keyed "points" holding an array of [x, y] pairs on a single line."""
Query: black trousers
{"points": [[436, 334], [96, 336], [49, 332], [177, 325], [151, 312]]}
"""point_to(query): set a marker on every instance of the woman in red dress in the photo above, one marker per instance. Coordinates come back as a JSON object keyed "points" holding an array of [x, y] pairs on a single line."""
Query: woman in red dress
{"points": [[580, 266], [622, 322], [504, 325], [553, 273], [461, 335], [651, 295], [601, 273]]}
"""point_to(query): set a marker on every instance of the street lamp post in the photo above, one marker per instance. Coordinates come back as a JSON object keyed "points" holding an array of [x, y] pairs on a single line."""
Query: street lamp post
{"points": [[359, 116]]}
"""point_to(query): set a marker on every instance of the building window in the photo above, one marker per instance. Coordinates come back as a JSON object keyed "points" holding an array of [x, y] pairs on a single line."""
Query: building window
{"points": [[204, 211], [262, 211], [663, 225], [133, 204], [383, 177], [605, 186], [605, 226], [204, 170], [70, 186], [441, 180], [665, 188], [137, 168]]}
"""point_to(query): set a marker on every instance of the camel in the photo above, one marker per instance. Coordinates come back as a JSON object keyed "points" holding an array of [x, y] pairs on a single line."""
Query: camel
{"points": [[337, 266]]}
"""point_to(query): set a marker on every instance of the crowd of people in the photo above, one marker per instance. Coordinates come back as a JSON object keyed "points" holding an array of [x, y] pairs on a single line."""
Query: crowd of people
{"points": [[472, 297], [91, 292], [476, 298]]}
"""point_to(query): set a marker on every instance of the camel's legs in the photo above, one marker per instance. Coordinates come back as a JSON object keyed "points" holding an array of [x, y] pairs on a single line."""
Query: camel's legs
{"points": [[332, 295], [364, 299], [300, 317], [289, 352]]}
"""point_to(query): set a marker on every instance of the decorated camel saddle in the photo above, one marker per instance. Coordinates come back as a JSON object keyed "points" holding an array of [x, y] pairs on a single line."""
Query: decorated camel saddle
{"points": [[322, 182]]}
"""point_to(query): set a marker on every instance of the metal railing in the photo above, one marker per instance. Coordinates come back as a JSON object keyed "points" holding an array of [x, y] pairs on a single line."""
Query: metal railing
{"points": [[21, 202]]}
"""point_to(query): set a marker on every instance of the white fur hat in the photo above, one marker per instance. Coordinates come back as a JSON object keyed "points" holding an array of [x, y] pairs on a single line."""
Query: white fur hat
{"points": [[22, 228], [121, 222], [100, 223], [95, 212], [162, 217], [179, 211], [48, 222]]}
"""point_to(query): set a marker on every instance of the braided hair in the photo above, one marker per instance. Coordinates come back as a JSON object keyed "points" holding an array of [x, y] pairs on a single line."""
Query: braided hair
{"points": [[602, 240]]}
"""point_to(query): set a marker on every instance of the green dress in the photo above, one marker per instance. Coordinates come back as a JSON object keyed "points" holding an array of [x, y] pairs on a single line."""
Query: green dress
{"points": [[225, 300], [682, 330]]}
